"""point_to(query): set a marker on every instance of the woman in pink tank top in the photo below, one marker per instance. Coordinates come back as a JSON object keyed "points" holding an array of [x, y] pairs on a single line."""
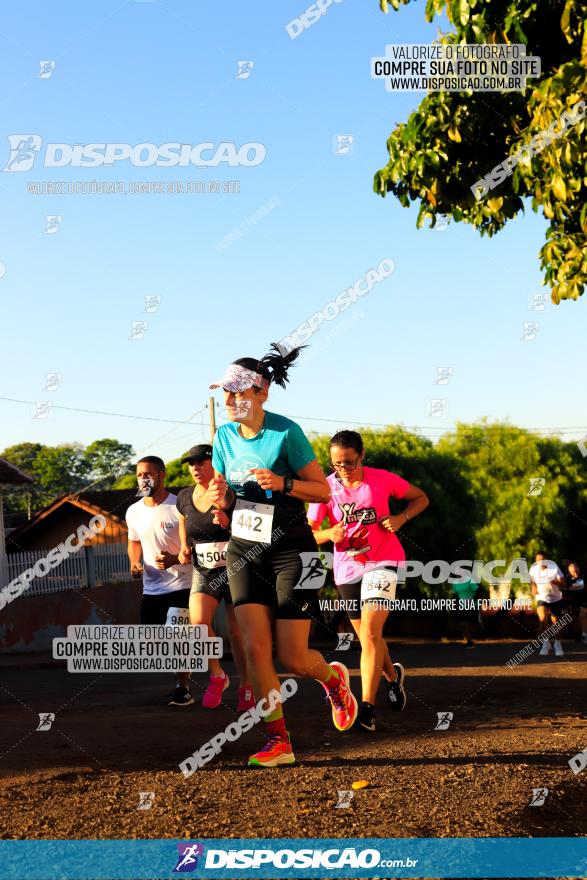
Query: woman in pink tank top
{"points": [[366, 553]]}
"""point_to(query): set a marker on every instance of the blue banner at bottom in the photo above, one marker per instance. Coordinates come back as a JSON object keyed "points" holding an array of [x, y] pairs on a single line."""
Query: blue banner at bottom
{"points": [[509, 857]]}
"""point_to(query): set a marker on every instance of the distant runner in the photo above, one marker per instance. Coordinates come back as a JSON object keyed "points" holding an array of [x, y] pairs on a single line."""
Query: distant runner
{"points": [[576, 593], [547, 581]]}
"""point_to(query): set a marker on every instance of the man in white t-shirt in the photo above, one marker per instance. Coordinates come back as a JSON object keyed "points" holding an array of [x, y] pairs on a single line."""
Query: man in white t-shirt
{"points": [[547, 579], [153, 533]]}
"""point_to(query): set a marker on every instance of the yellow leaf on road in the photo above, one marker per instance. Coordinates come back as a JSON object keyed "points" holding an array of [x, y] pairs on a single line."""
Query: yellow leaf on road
{"points": [[361, 783]]}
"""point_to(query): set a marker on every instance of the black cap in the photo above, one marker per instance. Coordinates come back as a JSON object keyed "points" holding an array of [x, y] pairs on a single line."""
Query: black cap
{"points": [[197, 453]]}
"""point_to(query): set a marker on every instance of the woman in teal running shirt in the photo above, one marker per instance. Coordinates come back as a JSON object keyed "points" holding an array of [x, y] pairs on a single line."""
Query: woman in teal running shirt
{"points": [[266, 467]]}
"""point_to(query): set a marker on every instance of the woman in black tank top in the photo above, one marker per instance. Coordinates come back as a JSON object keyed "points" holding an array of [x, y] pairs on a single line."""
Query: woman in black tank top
{"points": [[204, 533]]}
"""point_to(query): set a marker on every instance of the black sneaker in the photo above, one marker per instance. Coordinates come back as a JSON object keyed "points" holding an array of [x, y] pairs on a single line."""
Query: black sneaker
{"points": [[180, 697], [395, 689], [366, 717]]}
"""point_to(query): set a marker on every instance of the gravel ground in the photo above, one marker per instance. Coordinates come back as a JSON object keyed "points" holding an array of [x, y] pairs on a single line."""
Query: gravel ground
{"points": [[512, 731]]}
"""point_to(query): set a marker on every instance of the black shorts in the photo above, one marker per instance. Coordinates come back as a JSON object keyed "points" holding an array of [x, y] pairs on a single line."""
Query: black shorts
{"points": [[266, 574], [212, 582], [154, 608], [556, 608], [351, 596], [577, 600]]}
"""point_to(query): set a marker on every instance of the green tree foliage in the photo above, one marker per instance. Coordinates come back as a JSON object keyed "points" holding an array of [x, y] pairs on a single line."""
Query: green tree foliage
{"points": [[176, 474], [566, 529], [59, 470], [127, 482], [106, 460], [23, 455], [498, 463], [454, 139]]}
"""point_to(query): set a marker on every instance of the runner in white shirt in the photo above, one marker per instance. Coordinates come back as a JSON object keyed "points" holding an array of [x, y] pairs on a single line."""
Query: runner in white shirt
{"points": [[153, 533], [547, 579]]}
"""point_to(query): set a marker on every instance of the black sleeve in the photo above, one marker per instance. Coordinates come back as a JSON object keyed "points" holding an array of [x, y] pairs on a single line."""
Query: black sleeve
{"points": [[180, 501]]}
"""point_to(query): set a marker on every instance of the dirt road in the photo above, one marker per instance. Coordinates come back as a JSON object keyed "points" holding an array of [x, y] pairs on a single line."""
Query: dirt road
{"points": [[512, 731]]}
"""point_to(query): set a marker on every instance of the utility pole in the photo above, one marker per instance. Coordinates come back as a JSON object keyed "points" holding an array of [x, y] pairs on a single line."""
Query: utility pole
{"points": [[212, 409]]}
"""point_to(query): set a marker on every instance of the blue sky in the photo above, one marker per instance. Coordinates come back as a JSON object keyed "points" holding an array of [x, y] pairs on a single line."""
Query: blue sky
{"points": [[159, 72]]}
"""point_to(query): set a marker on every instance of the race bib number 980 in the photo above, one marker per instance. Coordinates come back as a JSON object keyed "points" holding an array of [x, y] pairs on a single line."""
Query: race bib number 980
{"points": [[178, 617], [252, 521]]}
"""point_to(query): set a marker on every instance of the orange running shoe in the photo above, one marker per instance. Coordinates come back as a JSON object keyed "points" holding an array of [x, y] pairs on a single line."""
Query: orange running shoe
{"points": [[342, 699], [275, 752]]}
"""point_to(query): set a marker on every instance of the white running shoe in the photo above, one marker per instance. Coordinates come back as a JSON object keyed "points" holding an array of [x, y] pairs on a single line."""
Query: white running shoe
{"points": [[545, 649], [558, 649]]}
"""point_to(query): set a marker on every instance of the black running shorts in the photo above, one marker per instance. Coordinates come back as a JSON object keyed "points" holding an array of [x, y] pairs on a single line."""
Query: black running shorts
{"points": [[154, 608], [266, 574], [556, 608], [577, 600], [351, 596], [212, 582]]}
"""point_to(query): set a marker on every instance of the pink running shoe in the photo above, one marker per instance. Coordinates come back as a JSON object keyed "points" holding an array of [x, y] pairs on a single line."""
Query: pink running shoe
{"points": [[246, 698], [213, 694]]}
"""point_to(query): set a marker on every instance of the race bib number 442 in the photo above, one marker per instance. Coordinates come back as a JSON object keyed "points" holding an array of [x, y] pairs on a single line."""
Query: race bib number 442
{"points": [[252, 521]]}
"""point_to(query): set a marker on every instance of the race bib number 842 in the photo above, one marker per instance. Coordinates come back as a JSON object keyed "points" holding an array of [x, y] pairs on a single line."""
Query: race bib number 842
{"points": [[380, 583]]}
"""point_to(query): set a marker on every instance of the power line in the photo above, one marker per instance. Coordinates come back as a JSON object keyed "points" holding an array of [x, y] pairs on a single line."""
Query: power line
{"points": [[364, 424], [99, 412], [429, 428]]}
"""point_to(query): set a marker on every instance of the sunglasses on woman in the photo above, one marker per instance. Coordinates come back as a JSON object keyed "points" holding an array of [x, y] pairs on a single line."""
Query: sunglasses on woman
{"points": [[345, 465]]}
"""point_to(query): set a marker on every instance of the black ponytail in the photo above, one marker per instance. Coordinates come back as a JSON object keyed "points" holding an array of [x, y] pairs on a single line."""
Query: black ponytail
{"points": [[348, 440], [278, 363], [275, 365]]}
